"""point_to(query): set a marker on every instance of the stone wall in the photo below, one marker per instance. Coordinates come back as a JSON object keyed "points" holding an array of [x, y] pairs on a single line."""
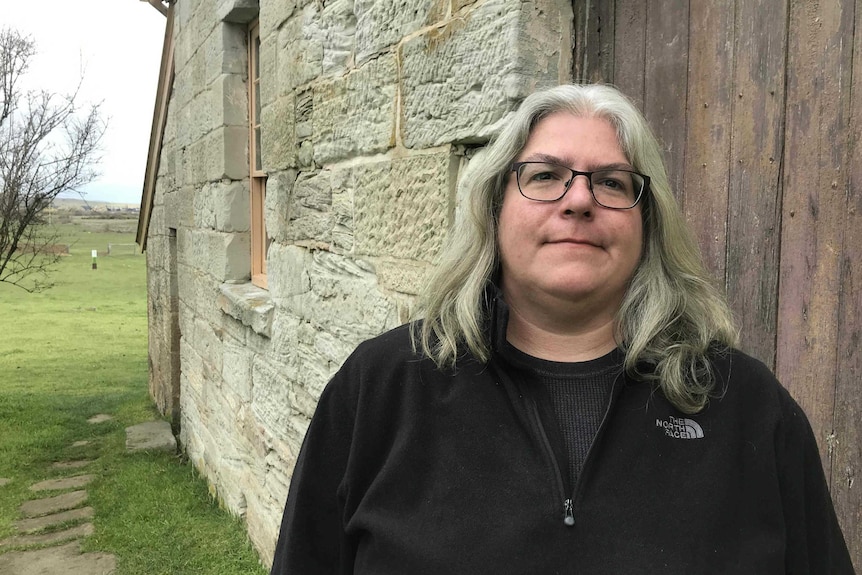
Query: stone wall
{"points": [[370, 109]]}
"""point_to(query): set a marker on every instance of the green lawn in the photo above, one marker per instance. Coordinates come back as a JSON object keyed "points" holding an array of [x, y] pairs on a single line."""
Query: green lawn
{"points": [[80, 349]]}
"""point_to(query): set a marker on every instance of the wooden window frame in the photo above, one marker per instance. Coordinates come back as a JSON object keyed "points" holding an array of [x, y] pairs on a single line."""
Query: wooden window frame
{"points": [[257, 177]]}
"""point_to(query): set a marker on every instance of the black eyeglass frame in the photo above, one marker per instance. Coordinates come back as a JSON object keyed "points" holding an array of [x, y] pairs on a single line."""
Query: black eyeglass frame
{"points": [[516, 166]]}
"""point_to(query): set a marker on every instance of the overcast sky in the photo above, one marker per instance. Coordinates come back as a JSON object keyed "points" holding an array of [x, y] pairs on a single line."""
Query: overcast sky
{"points": [[118, 45]]}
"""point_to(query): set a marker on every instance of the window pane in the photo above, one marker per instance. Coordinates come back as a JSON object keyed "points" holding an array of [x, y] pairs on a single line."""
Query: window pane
{"points": [[256, 119], [258, 164], [256, 57]]}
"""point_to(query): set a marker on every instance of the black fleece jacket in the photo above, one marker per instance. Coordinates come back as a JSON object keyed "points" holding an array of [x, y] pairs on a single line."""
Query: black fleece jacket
{"points": [[407, 469]]}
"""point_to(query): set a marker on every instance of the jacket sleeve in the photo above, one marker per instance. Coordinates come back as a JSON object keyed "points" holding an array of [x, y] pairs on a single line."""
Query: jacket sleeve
{"points": [[815, 544], [312, 538]]}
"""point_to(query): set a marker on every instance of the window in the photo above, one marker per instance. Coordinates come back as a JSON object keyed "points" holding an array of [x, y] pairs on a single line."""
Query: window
{"points": [[257, 177]]}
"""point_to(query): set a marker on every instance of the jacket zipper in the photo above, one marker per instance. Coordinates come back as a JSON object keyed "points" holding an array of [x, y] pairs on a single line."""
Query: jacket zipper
{"points": [[569, 502], [568, 505]]}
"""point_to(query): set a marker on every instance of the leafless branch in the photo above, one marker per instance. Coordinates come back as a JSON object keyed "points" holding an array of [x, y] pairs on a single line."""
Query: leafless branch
{"points": [[48, 145]]}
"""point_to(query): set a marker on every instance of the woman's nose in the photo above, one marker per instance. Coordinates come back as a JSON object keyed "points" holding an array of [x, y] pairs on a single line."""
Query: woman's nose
{"points": [[578, 197]]}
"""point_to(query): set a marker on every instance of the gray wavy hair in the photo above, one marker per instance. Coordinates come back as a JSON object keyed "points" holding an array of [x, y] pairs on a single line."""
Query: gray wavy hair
{"points": [[672, 316]]}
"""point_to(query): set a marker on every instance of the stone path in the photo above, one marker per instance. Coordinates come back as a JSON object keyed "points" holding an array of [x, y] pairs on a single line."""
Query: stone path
{"points": [[49, 533]]}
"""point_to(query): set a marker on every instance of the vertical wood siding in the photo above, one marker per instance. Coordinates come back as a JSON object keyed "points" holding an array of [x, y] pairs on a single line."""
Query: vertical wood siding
{"points": [[758, 104]]}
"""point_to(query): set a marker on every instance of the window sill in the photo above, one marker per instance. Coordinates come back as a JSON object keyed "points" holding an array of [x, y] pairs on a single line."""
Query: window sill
{"points": [[249, 304]]}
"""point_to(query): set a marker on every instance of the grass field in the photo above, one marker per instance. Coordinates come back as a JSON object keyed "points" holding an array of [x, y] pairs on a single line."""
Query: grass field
{"points": [[80, 349]]}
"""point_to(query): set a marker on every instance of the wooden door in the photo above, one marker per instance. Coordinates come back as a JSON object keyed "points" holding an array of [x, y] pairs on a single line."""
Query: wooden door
{"points": [[758, 104]]}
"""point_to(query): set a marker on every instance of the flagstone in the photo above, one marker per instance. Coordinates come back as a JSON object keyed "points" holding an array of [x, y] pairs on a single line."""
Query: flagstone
{"points": [[39, 507], [62, 483], [39, 523], [44, 538], [66, 559]]}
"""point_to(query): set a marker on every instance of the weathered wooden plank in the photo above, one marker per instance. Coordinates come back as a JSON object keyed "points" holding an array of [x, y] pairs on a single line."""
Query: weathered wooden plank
{"points": [[707, 140], [847, 444], [594, 41], [754, 192], [818, 74], [630, 48], [666, 70]]}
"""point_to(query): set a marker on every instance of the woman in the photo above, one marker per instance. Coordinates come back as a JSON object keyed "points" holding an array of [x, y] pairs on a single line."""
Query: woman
{"points": [[571, 400]]}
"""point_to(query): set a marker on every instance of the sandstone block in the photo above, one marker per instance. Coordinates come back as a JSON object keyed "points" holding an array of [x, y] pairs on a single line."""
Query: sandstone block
{"points": [[299, 51], [309, 214], [343, 184], [403, 277], [355, 114], [305, 394], [279, 186], [182, 47], [458, 4], [337, 29], [287, 273], [249, 304], [223, 206], [236, 371], [225, 154], [453, 92], [304, 113], [226, 51], [225, 256], [157, 223], [207, 344], [278, 141], [270, 86], [151, 436], [402, 207], [197, 69], [237, 11], [203, 116], [202, 157], [230, 100], [191, 418], [344, 300], [179, 208], [383, 23], [261, 517], [287, 336], [274, 14], [270, 396]]}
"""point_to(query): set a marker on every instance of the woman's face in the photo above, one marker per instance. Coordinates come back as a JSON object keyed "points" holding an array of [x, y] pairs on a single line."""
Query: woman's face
{"points": [[571, 254]]}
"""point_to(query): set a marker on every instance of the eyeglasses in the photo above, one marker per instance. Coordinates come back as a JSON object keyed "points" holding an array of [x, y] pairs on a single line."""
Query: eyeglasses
{"points": [[612, 188]]}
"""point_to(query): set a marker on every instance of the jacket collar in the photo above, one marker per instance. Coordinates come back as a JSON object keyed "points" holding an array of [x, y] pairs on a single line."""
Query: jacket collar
{"points": [[497, 320]]}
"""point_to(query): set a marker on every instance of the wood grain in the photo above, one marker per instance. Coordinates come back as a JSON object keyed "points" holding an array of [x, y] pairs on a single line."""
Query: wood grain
{"points": [[846, 442], [630, 48], [708, 129], [665, 78], [754, 178]]}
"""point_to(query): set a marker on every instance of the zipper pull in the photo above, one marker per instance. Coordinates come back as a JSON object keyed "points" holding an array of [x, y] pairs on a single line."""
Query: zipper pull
{"points": [[569, 518]]}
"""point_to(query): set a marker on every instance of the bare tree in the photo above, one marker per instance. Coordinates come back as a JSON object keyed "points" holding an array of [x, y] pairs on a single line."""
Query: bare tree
{"points": [[48, 145]]}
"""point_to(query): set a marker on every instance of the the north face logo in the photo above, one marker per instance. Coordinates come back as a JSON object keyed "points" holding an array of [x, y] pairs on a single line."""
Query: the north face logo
{"points": [[680, 427]]}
